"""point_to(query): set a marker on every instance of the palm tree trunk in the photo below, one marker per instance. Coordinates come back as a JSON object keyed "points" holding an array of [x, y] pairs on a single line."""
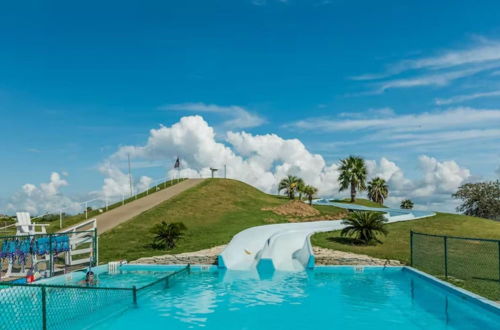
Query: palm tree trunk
{"points": [[353, 192]]}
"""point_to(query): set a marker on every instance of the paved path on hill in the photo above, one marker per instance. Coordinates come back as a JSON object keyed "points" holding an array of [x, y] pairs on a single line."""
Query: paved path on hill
{"points": [[114, 217]]}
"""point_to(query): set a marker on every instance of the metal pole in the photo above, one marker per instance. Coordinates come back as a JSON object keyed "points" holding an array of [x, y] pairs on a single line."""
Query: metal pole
{"points": [[498, 260], [411, 248], [96, 253], [51, 260], [44, 309], [86, 211], [445, 256], [123, 198], [130, 176], [106, 201], [225, 171], [60, 219]]}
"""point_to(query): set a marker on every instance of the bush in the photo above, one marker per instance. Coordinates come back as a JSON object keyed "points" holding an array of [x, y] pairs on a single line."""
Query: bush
{"points": [[364, 226], [167, 234]]}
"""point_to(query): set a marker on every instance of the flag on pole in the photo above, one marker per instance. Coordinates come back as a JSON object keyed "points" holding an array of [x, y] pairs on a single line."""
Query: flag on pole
{"points": [[177, 163]]}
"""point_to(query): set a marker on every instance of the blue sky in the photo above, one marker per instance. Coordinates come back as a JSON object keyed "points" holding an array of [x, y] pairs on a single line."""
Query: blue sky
{"points": [[387, 79]]}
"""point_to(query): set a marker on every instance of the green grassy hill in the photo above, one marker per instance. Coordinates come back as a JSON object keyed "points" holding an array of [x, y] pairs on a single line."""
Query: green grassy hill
{"points": [[213, 211]]}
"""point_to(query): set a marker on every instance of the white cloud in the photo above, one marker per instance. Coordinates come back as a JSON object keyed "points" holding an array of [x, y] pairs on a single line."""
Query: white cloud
{"points": [[117, 184], [45, 198], [262, 160], [241, 118], [426, 121], [435, 79], [259, 160], [482, 52], [468, 97], [438, 70], [432, 189]]}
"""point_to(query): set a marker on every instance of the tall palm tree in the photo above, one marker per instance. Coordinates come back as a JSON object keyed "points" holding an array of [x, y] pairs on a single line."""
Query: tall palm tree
{"points": [[378, 190], [310, 191], [407, 204], [364, 226], [352, 174], [290, 184]]}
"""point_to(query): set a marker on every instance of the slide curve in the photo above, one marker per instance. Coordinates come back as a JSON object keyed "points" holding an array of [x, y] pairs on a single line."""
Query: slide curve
{"points": [[287, 246]]}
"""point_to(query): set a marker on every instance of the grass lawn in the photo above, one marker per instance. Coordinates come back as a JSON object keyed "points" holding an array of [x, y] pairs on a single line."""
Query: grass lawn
{"points": [[474, 265], [213, 211]]}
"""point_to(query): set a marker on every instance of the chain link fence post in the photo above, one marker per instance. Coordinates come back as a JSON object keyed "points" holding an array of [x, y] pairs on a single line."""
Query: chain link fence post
{"points": [[44, 308], [445, 238]]}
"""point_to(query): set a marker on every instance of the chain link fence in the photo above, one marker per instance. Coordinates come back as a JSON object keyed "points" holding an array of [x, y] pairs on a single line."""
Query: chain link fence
{"points": [[471, 263], [47, 306]]}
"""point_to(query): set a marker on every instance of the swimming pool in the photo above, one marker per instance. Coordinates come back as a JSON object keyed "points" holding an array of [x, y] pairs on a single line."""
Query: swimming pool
{"points": [[324, 298], [327, 297]]}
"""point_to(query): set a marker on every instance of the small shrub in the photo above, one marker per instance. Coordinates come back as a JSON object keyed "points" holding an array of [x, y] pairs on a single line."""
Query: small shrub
{"points": [[167, 234], [364, 226]]}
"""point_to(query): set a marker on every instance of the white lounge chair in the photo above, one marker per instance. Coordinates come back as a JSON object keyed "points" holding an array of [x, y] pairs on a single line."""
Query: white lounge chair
{"points": [[25, 227]]}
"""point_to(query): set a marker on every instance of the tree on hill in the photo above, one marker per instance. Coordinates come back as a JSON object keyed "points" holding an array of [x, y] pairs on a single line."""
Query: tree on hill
{"points": [[378, 190], [406, 204], [365, 226], [290, 184], [167, 234], [480, 199], [352, 174], [310, 191]]}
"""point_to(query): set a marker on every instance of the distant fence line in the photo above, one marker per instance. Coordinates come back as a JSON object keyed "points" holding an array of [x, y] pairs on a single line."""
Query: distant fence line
{"points": [[103, 204]]}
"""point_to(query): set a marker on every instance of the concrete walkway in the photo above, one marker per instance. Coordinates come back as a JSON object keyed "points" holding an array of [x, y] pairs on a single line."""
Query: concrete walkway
{"points": [[114, 217]]}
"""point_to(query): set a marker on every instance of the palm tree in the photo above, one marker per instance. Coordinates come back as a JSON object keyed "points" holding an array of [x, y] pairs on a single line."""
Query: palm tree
{"points": [[290, 184], [364, 226], [407, 204], [167, 234], [353, 174], [310, 191], [378, 190]]}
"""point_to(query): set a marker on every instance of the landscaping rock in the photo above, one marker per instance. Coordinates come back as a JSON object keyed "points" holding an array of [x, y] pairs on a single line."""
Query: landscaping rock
{"points": [[323, 257]]}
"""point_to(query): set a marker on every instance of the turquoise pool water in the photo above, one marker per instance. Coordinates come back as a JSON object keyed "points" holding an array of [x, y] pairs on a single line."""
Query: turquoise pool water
{"points": [[325, 298]]}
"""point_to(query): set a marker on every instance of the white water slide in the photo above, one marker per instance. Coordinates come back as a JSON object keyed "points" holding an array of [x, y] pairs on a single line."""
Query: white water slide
{"points": [[287, 246]]}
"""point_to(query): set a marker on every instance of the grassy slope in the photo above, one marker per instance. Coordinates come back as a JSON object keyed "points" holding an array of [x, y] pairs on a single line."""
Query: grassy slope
{"points": [[213, 212]]}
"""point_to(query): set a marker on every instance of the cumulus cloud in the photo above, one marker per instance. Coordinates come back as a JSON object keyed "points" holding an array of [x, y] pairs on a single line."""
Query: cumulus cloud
{"points": [[117, 184], [45, 198], [259, 160], [432, 189], [263, 160]]}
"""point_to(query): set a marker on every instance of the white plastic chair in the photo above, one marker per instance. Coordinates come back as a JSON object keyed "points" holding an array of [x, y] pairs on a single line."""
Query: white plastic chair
{"points": [[25, 227]]}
